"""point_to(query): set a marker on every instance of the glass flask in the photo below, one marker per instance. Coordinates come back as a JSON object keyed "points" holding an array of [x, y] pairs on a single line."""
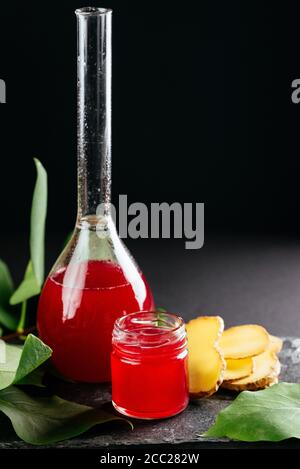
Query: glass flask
{"points": [[95, 280]]}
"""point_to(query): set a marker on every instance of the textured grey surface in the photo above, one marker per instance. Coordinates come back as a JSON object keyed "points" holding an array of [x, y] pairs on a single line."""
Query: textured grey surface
{"points": [[244, 279], [182, 429]]}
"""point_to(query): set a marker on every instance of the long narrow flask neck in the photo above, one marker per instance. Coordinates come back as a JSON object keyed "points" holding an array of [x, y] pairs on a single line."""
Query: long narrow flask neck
{"points": [[93, 112]]}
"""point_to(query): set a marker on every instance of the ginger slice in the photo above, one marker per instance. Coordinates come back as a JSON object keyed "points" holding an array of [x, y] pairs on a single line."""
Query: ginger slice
{"points": [[275, 344], [206, 363], [244, 341], [266, 368], [237, 368]]}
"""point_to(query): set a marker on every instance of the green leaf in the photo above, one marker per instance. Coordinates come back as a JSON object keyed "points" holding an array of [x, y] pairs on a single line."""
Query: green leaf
{"points": [[161, 319], [34, 353], [21, 362], [35, 378], [37, 223], [67, 239], [269, 415], [9, 365], [28, 288], [6, 284], [22, 320], [45, 420], [34, 275], [7, 316]]}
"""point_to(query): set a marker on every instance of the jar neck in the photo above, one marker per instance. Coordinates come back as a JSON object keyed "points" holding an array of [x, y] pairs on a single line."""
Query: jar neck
{"points": [[93, 111], [137, 353], [149, 334]]}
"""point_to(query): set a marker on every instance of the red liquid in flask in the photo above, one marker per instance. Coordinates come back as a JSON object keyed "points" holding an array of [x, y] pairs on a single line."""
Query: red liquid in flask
{"points": [[77, 321]]}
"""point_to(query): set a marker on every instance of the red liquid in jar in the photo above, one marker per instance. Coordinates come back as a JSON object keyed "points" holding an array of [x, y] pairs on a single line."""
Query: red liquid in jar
{"points": [[77, 322], [153, 384]]}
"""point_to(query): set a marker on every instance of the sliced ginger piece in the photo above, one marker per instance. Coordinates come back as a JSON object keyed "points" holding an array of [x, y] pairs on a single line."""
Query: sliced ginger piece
{"points": [[266, 368], [206, 362], [237, 368], [244, 341], [275, 344]]}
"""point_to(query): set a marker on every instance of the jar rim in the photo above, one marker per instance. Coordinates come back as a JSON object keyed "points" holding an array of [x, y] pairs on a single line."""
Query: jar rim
{"points": [[92, 11], [165, 322]]}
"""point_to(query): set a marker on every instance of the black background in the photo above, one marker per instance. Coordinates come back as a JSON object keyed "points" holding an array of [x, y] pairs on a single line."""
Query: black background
{"points": [[202, 112], [202, 109]]}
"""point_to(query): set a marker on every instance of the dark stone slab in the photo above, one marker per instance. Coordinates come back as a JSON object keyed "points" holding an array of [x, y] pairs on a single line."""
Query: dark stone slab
{"points": [[184, 429]]}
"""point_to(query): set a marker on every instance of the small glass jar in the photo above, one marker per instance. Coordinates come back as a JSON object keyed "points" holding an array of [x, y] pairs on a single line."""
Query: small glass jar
{"points": [[149, 365]]}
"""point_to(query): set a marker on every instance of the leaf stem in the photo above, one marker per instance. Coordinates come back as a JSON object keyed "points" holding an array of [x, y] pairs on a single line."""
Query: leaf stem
{"points": [[21, 325], [15, 335]]}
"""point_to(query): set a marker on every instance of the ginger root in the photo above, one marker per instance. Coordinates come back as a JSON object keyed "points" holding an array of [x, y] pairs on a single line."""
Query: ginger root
{"points": [[244, 341], [240, 358], [275, 344], [266, 368], [206, 362], [237, 368]]}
